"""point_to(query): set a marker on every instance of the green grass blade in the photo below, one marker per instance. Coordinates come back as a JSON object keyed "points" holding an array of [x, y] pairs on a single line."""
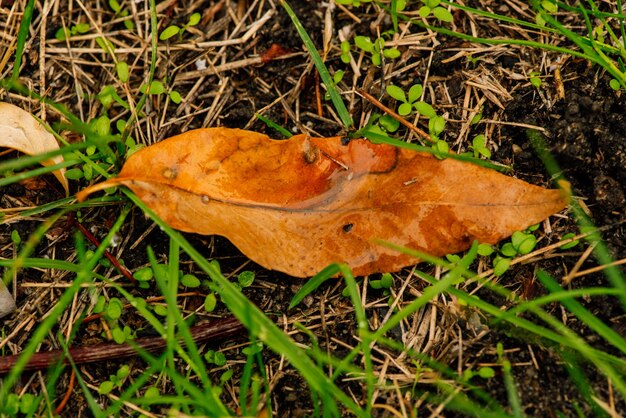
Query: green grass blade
{"points": [[576, 373], [27, 16], [511, 389], [335, 97], [600, 359], [601, 252], [364, 333], [558, 296], [592, 321], [257, 322], [15, 178], [315, 282], [26, 161], [64, 301], [378, 138], [270, 123], [518, 323]]}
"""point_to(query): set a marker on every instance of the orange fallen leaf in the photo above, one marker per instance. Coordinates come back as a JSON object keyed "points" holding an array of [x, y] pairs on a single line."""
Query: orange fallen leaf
{"points": [[22, 132], [300, 204]]}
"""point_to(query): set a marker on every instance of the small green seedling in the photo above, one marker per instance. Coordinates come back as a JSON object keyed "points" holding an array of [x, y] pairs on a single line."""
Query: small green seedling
{"points": [[473, 61], [210, 302], [345, 52], [113, 309], [123, 72], [337, 77], [484, 373], [100, 127], [440, 148], [106, 45], [500, 265], [189, 280], [614, 84], [176, 97], [16, 239], [382, 124], [388, 123], [534, 79], [550, 6], [131, 146], [152, 393], [477, 117], [108, 95], [400, 5], [485, 249], [355, 3], [245, 278], [599, 33], [385, 282], [436, 126], [121, 12], [174, 30], [78, 29], [16, 404], [226, 376], [158, 87], [376, 49], [478, 147], [121, 335], [521, 243], [160, 310], [115, 380], [571, 244], [215, 357], [253, 348], [143, 275], [432, 7], [411, 101]]}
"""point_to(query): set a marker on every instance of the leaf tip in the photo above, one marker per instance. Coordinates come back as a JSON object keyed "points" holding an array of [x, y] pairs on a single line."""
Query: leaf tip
{"points": [[83, 194]]}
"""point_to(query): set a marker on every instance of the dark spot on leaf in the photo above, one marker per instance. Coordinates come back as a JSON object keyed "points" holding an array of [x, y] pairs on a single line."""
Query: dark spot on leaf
{"points": [[169, 173]]}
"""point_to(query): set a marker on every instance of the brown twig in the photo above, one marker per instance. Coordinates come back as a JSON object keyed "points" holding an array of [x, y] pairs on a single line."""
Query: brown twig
{"points": [[394, 115], [214, 330], [68, 393], [318, 96], [107, 254]]}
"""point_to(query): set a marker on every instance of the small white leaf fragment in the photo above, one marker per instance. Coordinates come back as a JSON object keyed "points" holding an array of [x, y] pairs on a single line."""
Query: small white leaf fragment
{"points": [[7, 304], [22, 132]]}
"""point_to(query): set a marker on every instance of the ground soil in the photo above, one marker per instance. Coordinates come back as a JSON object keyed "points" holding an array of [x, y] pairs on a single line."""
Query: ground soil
{"points": [[585, 131]]}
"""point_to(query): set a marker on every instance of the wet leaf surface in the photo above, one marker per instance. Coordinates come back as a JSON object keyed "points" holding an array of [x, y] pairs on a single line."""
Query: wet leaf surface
{"points": [[301, 204]]}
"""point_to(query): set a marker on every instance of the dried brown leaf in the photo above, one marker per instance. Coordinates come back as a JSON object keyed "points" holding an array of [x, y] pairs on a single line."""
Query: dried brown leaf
{"points": [[301, 204], [22, 132]]}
